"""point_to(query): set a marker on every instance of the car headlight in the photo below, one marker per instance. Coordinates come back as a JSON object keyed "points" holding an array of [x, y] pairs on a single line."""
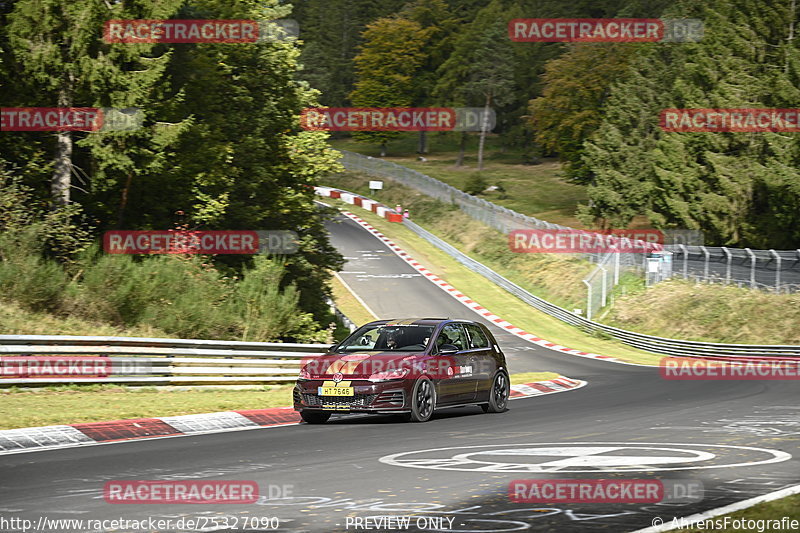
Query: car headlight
{"points": [[304, 375], [389, 375]]}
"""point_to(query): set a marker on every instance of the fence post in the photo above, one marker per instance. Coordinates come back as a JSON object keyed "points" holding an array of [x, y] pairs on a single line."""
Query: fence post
{"points": [[604, 288], [588, 299], [729, 258], [777, 269], [752, 267], [705, 268], [685, 253], [616, 270]]}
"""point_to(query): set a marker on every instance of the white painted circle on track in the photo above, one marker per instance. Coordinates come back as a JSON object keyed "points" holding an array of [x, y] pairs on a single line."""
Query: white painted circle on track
{"points": [[585, 457]]}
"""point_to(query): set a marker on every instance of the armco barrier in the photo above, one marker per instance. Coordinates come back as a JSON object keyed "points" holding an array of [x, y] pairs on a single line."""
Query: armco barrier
{"points": [[167, 361]]}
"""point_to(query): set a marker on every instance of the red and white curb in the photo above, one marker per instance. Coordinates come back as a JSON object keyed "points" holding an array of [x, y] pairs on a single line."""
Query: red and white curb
{"points": [[472, 304], [362, 201], [68, 436], [551, 386], [26, 440]]}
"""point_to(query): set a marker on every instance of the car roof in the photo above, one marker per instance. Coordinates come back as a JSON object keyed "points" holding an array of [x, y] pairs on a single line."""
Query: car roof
{"points": [[418, 321]]}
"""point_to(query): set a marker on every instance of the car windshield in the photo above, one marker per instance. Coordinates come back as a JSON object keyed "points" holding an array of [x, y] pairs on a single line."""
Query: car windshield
{"points": [[405, 338]]}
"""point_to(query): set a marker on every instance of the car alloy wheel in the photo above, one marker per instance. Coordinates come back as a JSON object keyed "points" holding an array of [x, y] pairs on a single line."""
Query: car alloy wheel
{"points": [[498, 394], [423, 401]]}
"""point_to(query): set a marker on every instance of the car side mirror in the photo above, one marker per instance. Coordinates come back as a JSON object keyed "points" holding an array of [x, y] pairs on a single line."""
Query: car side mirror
{"points": [[448, 349]]}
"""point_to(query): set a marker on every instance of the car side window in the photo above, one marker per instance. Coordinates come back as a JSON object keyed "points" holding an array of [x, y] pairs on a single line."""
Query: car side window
{"points": [[453, 334], [366, 340], [477, 336]]}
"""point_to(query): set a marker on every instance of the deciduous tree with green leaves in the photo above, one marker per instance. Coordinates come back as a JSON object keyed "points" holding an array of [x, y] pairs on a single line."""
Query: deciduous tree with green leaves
{"points": [[394, 49]]}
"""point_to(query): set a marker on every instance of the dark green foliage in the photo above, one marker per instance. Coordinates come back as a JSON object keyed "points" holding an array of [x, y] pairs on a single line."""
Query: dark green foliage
{"points": [[220, 147], [476, 184], [740, 189]]}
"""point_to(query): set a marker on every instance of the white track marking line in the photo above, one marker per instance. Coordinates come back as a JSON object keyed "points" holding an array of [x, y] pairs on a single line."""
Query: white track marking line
{"points": [[356, 296], [737, 506]]}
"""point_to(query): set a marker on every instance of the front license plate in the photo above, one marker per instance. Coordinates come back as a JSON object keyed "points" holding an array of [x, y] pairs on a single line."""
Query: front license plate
{"points": [[335, 408], [335, 391]]}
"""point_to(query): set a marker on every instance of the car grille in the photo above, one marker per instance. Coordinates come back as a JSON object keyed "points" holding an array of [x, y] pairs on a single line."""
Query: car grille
{"points": [[359, 400], [391, 397], [296, 396]]}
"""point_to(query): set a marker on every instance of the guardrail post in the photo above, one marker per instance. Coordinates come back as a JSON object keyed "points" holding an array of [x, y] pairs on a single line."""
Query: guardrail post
{"points": [[729, 257], [705, 268], [777, 269], [752, 267]]}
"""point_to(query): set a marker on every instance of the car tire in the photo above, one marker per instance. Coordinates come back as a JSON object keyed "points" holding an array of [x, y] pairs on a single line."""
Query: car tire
{"points": [[498, 394], [423, 401], [314, 417]]}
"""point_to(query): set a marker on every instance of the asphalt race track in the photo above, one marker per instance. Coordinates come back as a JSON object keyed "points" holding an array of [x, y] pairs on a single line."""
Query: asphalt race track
{"points": [[739, 439]]}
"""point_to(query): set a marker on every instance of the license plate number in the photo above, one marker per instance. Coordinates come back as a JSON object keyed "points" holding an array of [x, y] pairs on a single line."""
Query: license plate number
{"points": [[335, 391]]}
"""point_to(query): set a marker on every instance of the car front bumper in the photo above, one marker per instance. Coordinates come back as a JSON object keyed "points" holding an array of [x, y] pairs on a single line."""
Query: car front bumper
{"points": [[368, 397]]}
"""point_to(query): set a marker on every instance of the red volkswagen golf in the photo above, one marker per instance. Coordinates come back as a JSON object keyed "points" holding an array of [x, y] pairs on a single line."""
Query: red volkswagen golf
{"points": [[410, 367]]}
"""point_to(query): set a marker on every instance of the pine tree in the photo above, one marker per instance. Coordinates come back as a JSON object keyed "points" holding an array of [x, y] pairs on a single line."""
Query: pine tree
{"points": [[741, 189], [58, 47], [480, 71]]}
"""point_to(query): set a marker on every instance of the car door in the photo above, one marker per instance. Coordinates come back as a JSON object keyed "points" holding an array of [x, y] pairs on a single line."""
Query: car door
{"points": [[482, 358], [457, 382]]}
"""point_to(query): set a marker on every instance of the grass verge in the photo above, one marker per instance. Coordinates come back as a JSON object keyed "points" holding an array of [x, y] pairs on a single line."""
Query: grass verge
{"points": [[348, 304], [94, 403], [710, 313], [530, 377], [769, 511]]}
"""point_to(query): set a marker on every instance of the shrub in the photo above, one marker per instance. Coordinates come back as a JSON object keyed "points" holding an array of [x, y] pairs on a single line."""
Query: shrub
{"points": [[34, 282], [476, 184]]}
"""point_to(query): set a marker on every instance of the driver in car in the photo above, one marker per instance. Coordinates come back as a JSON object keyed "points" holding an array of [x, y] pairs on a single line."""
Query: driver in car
{"points": [[393, 340]]}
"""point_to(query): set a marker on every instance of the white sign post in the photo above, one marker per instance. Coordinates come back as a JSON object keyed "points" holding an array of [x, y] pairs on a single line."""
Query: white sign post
{"points": [[375, 186]]}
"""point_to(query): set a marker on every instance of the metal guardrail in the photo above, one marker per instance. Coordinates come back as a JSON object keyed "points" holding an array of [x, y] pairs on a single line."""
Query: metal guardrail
{"points": [[773, 270], [165, 361], [659, 345]]}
